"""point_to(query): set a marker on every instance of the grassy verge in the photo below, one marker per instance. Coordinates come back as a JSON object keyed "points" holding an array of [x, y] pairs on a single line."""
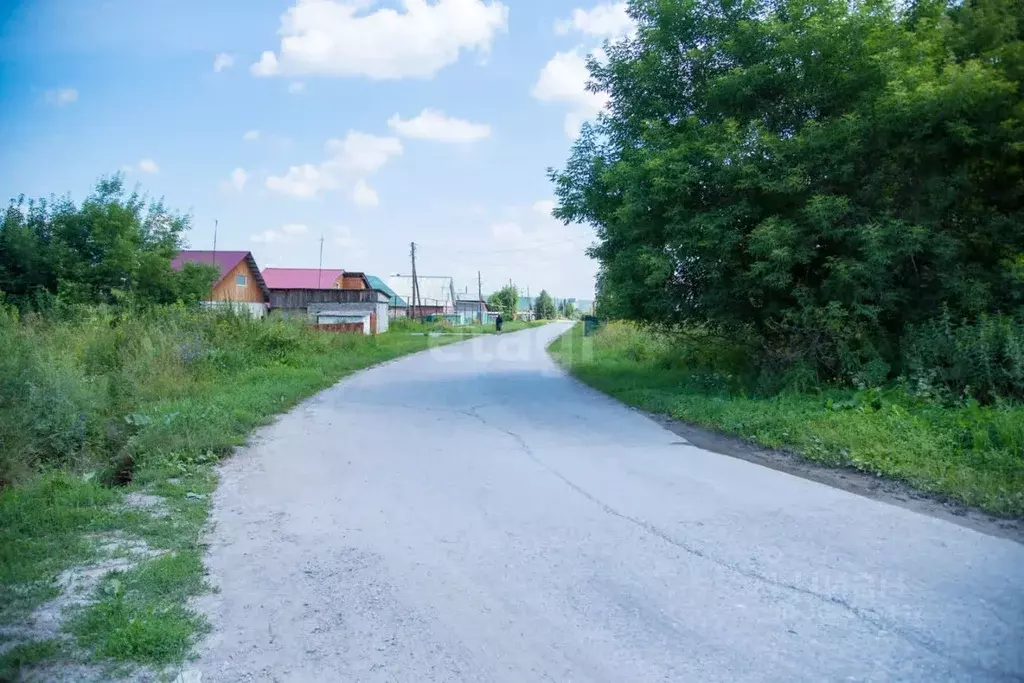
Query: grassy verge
{"points": [[108, 491], [445, 328], [969, 453]]}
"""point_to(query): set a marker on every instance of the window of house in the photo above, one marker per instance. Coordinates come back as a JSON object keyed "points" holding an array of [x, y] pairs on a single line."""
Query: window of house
{"points": [[241, 280]]}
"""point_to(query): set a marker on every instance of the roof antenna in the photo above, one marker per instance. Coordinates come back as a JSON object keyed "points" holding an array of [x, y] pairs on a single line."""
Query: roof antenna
{"points": [[215, 223]]}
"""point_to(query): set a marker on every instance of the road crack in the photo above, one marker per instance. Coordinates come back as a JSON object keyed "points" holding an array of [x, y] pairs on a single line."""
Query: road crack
{"points": [[866, 616]]}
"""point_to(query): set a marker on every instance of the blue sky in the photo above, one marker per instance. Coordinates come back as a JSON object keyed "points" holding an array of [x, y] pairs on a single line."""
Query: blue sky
{"points": [[372, 124]]}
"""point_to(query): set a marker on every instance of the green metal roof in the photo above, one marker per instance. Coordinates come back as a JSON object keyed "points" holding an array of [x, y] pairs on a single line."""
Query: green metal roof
{"points": [[377, 283]]}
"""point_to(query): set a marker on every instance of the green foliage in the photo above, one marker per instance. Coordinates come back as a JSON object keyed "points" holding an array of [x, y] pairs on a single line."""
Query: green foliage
{"points": [[166, 391], [84, 389], [142, 615], [544, 306], [114, 242], [971, 453], [19, 658], [506, 301], [983, 360], [41, 527], [568, 310], [827, 176]]}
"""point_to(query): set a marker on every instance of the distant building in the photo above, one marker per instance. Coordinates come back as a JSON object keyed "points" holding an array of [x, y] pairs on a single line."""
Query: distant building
{"points": [[240, 285], [525, 308], [470, 308], [314, 278], [337, 299], [437, 294], [397, 306]]}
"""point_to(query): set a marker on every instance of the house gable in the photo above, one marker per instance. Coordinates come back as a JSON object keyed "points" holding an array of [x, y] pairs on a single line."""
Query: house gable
{"points": [[241, 283]]}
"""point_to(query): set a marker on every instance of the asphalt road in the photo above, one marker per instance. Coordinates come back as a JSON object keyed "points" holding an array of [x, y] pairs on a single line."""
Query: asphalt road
{"points": [[472, 514]]}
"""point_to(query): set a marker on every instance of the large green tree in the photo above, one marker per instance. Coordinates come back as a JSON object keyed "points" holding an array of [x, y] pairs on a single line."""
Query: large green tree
{"points": [[505, 301], [544, 307], [115, 241], [825, 174]]}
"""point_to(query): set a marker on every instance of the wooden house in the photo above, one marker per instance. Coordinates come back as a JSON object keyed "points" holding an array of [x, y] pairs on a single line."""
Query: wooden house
{"points": [[240, 284]]}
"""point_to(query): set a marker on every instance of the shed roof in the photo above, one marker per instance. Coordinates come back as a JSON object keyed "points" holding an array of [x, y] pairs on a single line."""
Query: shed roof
{"points": [[380, 285], [224, 261], [302, 278]]}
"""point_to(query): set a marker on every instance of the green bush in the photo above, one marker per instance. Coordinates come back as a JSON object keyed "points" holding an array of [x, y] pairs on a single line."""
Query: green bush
{"points": [[826, 175], [971, 452], [982, 360], [77, 385]]}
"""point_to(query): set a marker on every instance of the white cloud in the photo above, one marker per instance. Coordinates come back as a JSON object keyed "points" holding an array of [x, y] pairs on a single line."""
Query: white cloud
{"points": [[606, 20], [251, 135], [303, 181], [544, 207], [353, 157], [342, 38], [434, 125], [61, 96], [237, 180], [363, 152], [223, 61], [296, 87], [364, 196], [144, 166], [564, 79], [286, 234]]}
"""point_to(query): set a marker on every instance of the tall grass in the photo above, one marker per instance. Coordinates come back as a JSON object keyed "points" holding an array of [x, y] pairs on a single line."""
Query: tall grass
{"points": [[961, 449], [81, 389], [95, 402]]}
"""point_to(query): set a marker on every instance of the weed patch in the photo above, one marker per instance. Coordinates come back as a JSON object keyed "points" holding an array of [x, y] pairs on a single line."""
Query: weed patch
{"points": [[141, 615], [108, 472], [967, 452]]}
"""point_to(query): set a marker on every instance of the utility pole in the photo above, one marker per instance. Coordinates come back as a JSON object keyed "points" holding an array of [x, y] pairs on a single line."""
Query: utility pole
{"points": [[320, 268], [480, 295], [415, 280]]}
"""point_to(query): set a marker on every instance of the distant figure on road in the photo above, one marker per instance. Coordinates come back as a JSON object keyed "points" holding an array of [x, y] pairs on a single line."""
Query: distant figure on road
{"points": [[498, 322]]}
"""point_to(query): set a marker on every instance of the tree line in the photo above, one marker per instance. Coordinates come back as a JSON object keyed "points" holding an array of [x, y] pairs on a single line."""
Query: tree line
{"points": [[113, 245], [840, 182], [506, 301]]}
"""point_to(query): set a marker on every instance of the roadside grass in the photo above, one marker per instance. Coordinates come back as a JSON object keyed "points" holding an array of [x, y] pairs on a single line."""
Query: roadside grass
{"points": [[179, 391], [25, 656], [965, 452], [142, 616], [475, 329]]}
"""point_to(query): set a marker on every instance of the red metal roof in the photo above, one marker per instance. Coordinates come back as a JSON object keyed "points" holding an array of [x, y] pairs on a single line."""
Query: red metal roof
{"points": [[301, 278], [225, 261]]}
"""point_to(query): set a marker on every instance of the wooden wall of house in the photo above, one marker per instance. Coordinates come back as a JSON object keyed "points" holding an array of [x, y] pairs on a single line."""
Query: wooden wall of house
{"points": [[227, 290], [303, 298], [353, 282]]}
